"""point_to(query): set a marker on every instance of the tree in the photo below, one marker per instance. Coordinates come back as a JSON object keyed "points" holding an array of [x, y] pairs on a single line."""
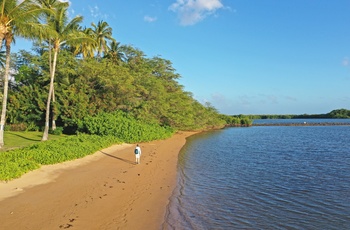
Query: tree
{"points": [[101, 33], [115, 53], [61, 33], [16, 19], [51, 5], [85, 48]]}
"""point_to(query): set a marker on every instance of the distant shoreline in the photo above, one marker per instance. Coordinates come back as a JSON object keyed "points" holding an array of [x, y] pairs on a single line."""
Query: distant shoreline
{"points": [[305, 124]]}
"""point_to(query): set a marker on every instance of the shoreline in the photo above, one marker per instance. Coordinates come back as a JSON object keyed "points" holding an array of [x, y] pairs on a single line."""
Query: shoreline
{"points": [[106, 190], [305, 124]]}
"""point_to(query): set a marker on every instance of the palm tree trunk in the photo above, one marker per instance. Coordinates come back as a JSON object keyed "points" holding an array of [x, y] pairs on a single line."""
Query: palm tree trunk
{"points": [[53, 111], [4, 96], [53, 90], [47, 118]]}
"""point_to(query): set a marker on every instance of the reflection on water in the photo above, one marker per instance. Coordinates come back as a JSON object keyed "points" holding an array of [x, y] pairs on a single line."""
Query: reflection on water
{"points": [[264, 178]]}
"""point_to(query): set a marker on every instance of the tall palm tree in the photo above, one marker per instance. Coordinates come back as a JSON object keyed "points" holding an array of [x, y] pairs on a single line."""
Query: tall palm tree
{"points": [[102, 32], [62, 32], [51, 5], [16, 19]]}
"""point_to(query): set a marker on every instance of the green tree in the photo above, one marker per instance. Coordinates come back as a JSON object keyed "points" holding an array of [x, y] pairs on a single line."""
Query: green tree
{"points": [[52, 5], [16, 19], [115, 53], [102, 32], [62, 32], [86, 48]]}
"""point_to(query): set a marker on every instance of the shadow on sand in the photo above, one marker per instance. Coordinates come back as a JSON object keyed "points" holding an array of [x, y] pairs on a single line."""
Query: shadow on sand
{"points": [[118, 158]]}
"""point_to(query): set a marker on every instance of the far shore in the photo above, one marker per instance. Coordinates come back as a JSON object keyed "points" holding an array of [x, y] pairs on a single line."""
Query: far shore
{"points": [[106, 190], [304, 124]]}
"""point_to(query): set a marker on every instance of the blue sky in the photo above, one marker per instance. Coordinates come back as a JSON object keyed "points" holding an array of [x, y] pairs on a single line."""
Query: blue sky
{"points": [[244, 57]]}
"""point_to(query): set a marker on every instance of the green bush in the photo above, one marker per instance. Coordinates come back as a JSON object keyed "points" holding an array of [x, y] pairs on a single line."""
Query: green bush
{"points": [[124, 127], [57, 131], [16, 127], [32, 127], [15, 163]]}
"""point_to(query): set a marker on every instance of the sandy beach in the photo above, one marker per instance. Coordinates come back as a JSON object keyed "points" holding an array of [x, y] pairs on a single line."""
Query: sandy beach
{"points": [[106, 190]]}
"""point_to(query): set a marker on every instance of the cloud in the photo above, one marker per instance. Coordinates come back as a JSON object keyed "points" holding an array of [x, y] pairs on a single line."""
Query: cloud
{"points": [[95, 12], [346, 61], [149, 18], [192, 11]]}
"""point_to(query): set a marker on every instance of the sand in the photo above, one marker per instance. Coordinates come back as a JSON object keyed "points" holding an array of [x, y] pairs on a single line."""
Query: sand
{"points": [[106, 190]]}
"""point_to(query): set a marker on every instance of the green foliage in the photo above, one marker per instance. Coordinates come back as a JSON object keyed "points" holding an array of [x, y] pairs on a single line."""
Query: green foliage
{"points": [[340, 113], [124, 127], [57, 131], [246, 121], [146, 88], [237, 121], [32, 127], [15, 163]]}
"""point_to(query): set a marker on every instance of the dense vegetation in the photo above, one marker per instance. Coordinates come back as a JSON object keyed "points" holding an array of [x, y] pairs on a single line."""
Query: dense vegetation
{"points": [[147, 91]]}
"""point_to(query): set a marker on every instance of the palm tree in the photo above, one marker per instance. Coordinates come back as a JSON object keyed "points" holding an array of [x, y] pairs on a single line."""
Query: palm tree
{"points": [[51, 5], [102, 32], [115, 53], [86, 49], [16, 19], [61, 33]]}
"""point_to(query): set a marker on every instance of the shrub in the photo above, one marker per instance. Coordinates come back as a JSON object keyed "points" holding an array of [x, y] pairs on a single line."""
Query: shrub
{"points": [[57, 131], [16, 127], [15, 163], [124, 127]]}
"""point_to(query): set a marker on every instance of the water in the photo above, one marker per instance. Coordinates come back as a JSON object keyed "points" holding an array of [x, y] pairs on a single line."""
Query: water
{"points": [[296, 121], [264, 177]]}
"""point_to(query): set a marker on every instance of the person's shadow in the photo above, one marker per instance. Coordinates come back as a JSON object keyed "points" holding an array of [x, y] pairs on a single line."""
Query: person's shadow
{"points": [[118, 158]]}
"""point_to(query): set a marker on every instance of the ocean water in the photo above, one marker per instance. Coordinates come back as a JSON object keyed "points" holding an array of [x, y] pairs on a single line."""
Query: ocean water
{"points": [[263, 177]]}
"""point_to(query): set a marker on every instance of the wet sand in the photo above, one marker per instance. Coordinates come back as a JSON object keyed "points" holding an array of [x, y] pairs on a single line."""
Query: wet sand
{"points": [[106, 190]]}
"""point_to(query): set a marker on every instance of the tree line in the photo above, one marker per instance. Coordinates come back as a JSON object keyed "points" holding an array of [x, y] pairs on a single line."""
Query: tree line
{"points": [[337, 113], [73, 72]]}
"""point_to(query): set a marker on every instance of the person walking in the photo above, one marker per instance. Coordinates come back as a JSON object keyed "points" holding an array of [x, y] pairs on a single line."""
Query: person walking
{"points": [[137, 154]]}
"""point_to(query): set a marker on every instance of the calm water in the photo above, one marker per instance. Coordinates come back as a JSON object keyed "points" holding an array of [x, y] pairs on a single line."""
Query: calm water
{"points": [[286, 121], [273, 177]]}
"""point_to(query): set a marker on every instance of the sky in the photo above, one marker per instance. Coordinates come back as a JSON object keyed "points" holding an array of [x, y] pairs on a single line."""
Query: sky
{"points": [[244, 57]]}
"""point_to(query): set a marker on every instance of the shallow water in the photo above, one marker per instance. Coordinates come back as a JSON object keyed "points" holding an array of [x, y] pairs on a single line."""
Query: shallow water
{"points": [[264, 178]]}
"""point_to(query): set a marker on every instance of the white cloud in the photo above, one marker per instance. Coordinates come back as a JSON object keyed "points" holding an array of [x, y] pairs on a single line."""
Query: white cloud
{"points": [[192, 11], [346, 61], [149, 18], [95, 13]]}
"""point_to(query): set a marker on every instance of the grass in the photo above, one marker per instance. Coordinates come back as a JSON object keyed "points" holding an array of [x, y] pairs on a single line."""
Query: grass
{"points": [[15, 140]]}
